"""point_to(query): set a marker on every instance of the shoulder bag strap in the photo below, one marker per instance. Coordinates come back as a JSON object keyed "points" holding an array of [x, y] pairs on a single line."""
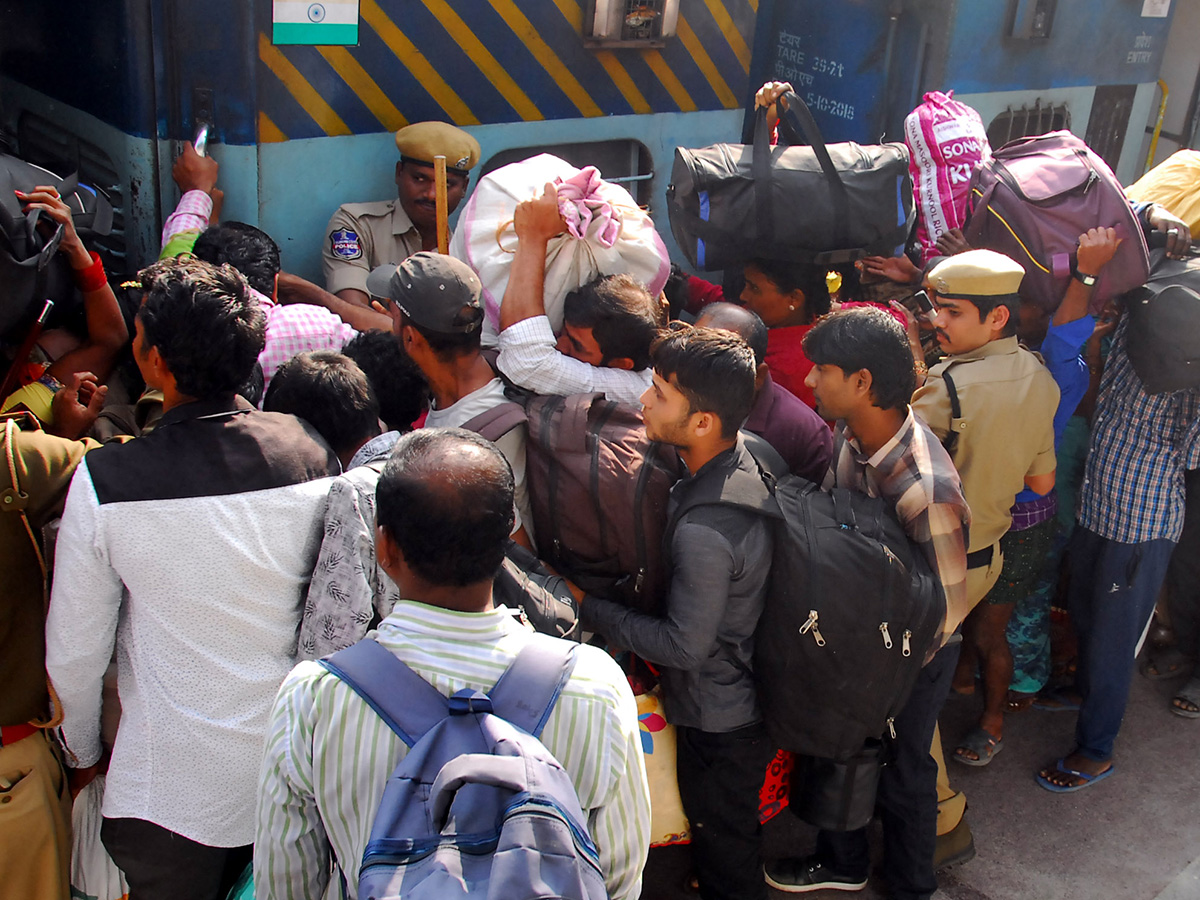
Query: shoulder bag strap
{"points": [[406, 702], [529, 688]]}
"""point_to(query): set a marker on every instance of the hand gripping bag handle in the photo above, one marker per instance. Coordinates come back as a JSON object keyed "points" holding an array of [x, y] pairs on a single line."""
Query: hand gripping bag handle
{"points": [[801, 120]]}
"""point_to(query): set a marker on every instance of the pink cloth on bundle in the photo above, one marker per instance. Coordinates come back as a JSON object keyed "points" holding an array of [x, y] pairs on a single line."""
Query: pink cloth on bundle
{"points": [[946, 142], [579, 202]]}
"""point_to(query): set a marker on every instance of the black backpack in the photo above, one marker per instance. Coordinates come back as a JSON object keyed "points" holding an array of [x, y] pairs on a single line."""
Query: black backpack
{"points": [[30, 267], [1164, 324], [852, 610]]}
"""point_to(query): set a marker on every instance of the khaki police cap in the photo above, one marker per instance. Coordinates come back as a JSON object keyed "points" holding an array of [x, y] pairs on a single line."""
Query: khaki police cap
{"points": [[976, 273], [422, 141]]}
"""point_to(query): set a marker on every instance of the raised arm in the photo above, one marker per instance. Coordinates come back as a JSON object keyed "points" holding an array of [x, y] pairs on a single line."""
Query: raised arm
{"points": [[536, 222], [106, 330]]}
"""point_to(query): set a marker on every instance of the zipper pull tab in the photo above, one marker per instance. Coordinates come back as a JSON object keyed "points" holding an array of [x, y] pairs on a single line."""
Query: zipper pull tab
{"points": [[887, 638], [891, 724], [906, 647], [811, 625], [641, 579]]}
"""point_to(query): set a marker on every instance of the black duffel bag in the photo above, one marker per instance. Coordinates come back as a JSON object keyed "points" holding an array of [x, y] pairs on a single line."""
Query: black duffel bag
{"points": [[1164, 324], [30, 267], [827, 205]]}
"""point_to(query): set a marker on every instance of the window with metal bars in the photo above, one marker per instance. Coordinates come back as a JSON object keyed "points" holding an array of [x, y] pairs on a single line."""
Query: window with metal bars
{"points": [[1026, 121], [643, 20]]}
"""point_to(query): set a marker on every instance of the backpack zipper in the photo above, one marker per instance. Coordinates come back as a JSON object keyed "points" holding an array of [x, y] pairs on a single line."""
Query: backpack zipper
{"points": [[811, 625], [907, 648], [887, 638]]}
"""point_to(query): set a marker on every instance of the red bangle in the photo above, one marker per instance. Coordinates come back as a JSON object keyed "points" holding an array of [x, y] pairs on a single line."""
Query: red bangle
{"points": [[92, 278]]}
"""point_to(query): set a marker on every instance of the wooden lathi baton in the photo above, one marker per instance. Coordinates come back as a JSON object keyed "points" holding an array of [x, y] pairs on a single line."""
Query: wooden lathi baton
{"points": [[14, 371], [443, 213]]}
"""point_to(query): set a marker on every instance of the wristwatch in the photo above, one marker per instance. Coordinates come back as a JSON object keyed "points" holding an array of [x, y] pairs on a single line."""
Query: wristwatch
{"points": [[1085, 280]]}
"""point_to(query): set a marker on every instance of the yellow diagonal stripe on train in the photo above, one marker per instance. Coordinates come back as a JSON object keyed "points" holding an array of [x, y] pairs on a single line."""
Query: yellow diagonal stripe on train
{"points": [[306, 95], [705, 64], [483, 59], [268, 131], [364, 87], [674, 86], [416, 63], [753, 4], [623, 81], [617, 72], [571, 12], [549, 60], [732, 35]]}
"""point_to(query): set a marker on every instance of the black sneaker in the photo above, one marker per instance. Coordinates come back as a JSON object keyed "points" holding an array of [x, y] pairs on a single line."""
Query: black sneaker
{"points": [[799, 876]]}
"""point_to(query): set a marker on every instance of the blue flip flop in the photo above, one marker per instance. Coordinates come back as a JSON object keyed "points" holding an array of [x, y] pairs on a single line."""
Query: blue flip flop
{"points": [[1088, 780], [1054, 702]]}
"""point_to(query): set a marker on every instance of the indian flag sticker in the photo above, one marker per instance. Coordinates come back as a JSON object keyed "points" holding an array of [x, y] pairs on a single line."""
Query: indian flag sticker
{"points": [[321, 22]]}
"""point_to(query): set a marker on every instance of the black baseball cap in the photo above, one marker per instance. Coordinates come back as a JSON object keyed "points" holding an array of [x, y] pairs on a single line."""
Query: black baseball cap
{"points": [[435, 291]]}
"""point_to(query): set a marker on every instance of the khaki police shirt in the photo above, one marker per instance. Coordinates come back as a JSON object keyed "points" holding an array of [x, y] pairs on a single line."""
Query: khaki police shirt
{"points": [[362, 236], [44, 465], [1007, 399]]}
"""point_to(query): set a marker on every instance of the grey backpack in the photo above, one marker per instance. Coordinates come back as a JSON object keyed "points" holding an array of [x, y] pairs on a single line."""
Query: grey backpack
{"points": [[479, 807]]}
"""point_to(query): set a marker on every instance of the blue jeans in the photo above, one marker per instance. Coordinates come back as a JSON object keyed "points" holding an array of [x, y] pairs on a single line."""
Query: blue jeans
{"points": [[1113, 590]]}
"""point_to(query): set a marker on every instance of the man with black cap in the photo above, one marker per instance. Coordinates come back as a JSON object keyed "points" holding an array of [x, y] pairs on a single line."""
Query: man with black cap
{"points": [[362, 236], [434, 302]]}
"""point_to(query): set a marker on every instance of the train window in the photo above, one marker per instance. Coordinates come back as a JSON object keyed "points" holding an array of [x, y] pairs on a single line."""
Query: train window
{"points": [[47, 144], [629, 23], [627, 163], [1028, 120]]}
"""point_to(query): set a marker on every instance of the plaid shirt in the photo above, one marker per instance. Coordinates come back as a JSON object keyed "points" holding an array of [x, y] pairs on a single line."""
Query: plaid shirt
{"points": [[291, 328], [914, 473], [1141, 445], [191, 214]]}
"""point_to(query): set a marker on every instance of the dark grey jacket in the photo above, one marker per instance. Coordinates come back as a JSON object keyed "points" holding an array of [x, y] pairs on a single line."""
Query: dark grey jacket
{"points": [[720, 560]]}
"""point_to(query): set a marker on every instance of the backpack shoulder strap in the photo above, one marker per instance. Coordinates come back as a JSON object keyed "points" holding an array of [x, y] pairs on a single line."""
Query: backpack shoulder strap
{"points": [[498, 421], [406, 702], [529, 688]]}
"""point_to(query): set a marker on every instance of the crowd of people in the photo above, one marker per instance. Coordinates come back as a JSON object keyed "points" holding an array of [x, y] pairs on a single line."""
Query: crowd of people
{"points": [[285, 469]]}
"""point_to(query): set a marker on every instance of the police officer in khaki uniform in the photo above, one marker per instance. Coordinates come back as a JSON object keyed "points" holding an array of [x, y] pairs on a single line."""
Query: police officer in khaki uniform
{"points": [[1001, 438], [362, 236]]}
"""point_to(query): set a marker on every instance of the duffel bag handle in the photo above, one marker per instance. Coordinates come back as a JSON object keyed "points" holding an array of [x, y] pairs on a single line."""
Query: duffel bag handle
{"points": [[801, 119]]}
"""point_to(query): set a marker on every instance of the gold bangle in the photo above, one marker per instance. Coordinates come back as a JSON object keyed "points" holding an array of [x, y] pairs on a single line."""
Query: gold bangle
{"points": [[921, 367]]}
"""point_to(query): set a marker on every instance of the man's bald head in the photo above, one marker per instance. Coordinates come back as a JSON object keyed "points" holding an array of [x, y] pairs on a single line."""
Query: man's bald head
{"points": [[739, 320], [446, 498]]}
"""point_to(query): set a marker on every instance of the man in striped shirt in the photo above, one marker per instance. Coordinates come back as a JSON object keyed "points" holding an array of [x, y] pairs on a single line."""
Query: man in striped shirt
{"points": [[444, 510]]}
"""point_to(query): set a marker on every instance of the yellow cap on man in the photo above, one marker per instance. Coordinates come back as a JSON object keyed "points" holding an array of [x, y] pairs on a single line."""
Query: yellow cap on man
{"points": [[422, 141], [976, 273]]}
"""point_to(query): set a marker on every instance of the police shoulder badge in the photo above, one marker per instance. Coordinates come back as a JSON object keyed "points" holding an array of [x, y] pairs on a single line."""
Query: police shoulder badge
{"points": [[345, 245]]}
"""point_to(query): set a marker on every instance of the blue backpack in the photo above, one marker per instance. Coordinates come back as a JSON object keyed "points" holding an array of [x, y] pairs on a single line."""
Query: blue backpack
{"points": [[478, 807]]}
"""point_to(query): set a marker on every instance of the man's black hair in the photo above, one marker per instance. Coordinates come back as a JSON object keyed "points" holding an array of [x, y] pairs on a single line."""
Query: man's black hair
{"points": [[397, 381], [252, 388], [986, 304], [248, 249], [204, 322], [805, 277], [714, 369], [865, 337], [623, 317], [450, 520], [447, 346], [741, 321], [331, 392]]}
